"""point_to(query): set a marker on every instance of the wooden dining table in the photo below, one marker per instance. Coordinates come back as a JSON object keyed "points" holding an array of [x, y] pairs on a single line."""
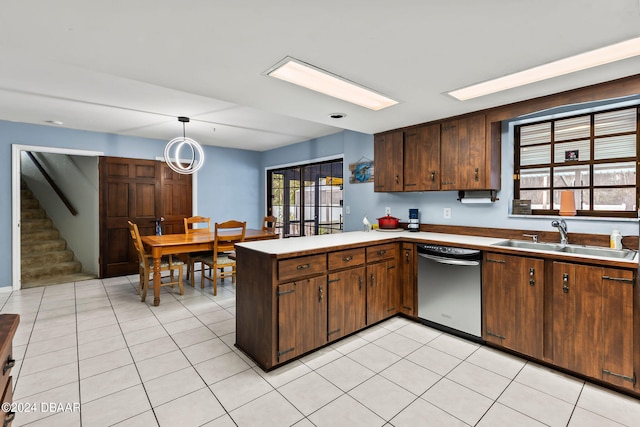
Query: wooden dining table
{"points": [[172, 244]]}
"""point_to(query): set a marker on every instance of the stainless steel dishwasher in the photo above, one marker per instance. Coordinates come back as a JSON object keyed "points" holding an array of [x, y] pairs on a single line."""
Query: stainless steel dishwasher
{"points": [[449, 288]]}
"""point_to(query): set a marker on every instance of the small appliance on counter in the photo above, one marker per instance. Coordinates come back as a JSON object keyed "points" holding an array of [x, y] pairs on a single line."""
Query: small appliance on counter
{"points": [[414, 220]]}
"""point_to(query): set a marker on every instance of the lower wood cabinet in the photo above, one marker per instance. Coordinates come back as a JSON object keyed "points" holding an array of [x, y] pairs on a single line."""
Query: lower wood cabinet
{"points": [[408, 285], [8, 327], [290, 306], [302, 317], [383, 292], [513, 298], [347, 302], [593, 326]]}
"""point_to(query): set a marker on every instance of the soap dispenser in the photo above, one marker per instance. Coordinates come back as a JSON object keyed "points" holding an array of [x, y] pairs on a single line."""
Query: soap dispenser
{"points": [[615, 240]]}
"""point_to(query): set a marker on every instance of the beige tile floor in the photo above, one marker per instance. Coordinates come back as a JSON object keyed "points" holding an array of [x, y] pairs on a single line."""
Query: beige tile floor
{"points": [[93, 345]]}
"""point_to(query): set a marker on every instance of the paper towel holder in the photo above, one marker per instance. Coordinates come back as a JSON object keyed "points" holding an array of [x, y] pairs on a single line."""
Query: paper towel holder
{"points": [[484, 198]]}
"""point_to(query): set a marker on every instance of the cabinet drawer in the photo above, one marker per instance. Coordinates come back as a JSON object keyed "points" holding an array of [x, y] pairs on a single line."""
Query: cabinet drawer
{"points": [[347, 258], [301, 267], [380, 252]]}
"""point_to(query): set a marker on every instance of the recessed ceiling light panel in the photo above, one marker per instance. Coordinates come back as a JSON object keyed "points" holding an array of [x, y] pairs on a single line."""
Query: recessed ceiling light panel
{"points": [[306, 75], [583, 61]]}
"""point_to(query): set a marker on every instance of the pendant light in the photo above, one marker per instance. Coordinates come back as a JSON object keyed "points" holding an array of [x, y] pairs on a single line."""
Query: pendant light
{"points": [[173, 153]]}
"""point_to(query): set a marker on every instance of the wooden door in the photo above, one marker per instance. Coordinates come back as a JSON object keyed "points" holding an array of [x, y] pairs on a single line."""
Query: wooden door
{"points": [[346, 302], [388, 158], [176, 199], [422, 158], [139, 191]]}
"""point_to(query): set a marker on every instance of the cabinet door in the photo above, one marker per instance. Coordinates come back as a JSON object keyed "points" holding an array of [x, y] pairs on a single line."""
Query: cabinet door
{"points": [[302, 317], [462, 154], [287, 325], [376, 292], [346, 293], [408, 278], [499, 294], [513, 292], [388, 157], [617, 318], [422, 159], [577, 318], [312, 310], [383, 296]]}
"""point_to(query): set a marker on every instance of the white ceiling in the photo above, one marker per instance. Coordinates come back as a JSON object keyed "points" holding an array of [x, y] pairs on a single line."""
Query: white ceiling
{"points": [[132, 67]]}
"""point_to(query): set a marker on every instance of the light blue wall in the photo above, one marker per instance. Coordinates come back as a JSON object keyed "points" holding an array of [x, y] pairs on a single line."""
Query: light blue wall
{"points": [[227, 185]]}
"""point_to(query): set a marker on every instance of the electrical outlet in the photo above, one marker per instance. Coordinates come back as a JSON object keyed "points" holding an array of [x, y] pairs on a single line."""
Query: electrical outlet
{"points": [[446, 213], [347, 210], [387, 210]]}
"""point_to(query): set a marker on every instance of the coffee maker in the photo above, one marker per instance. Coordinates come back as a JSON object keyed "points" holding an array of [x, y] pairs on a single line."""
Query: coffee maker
{"points": [[414, 220]]}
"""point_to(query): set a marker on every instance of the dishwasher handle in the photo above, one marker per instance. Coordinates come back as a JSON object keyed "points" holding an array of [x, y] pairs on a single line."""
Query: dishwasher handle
{"points": [[450, 261]]}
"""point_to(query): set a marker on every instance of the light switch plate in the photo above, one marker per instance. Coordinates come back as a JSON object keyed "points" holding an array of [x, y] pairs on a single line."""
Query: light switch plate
{"points": [[347, 210], [387, 210], [446, 213]]}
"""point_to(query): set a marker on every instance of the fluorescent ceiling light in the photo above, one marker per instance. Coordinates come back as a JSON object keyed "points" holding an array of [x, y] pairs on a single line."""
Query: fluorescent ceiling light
{"points": [[583, 61], [306, 75]]}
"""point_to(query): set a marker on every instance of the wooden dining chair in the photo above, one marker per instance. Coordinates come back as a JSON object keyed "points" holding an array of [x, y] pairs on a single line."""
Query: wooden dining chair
{"points": [[196, 224], [167, 263], [269, 223], [226, 235]]}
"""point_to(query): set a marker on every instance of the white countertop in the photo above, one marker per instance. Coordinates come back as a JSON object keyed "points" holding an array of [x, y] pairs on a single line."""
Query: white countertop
{"points": [[309, 243], [298, 244]]}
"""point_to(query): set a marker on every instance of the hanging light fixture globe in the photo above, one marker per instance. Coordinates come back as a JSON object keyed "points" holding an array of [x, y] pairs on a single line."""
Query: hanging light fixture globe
{"points": [[174, 150]]}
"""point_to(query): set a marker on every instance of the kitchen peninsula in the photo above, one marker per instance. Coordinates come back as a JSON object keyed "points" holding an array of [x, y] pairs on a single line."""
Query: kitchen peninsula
{"points": [[297, 295]]}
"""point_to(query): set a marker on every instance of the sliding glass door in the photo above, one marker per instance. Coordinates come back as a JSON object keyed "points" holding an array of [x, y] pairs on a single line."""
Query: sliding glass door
{"points": [[306, 199]]}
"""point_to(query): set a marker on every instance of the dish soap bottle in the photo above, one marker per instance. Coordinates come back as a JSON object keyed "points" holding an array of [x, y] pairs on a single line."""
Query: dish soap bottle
{"points": [[615, 240]]}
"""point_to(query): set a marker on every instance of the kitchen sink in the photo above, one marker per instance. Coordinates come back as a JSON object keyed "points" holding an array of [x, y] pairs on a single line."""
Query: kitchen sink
{"points": [[570, 249], [528, 244]]}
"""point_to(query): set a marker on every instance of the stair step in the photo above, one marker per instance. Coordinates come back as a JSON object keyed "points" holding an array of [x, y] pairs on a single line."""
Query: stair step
{"points": [[29, 203], [38, 224], [50, 270], [25, 193], [37, 259], [56, 280], [26, 214], [45, 246], [40, 235]]}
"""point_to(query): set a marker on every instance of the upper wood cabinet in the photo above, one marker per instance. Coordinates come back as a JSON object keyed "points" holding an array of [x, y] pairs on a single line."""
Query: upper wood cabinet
{"points": [[469, 158], [388, 154], [459, 154], [422, 158]]}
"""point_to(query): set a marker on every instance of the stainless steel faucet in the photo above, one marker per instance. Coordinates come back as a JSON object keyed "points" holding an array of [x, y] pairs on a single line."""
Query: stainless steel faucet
{"points": [[562, 228]]}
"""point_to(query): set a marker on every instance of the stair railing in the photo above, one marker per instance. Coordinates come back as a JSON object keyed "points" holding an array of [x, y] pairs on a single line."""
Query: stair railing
{"points": [[53, 185]]}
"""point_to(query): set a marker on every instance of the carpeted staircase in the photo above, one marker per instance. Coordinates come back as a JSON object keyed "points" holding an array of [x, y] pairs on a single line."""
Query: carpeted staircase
{"points": [[45, 258]]}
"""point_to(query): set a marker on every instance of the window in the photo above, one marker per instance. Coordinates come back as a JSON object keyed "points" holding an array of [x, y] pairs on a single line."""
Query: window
{"points": [[593, 155], [306, 199]]}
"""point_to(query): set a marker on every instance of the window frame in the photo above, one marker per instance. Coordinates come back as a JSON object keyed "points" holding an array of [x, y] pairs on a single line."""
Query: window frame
{"points": [[590, 163]]}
